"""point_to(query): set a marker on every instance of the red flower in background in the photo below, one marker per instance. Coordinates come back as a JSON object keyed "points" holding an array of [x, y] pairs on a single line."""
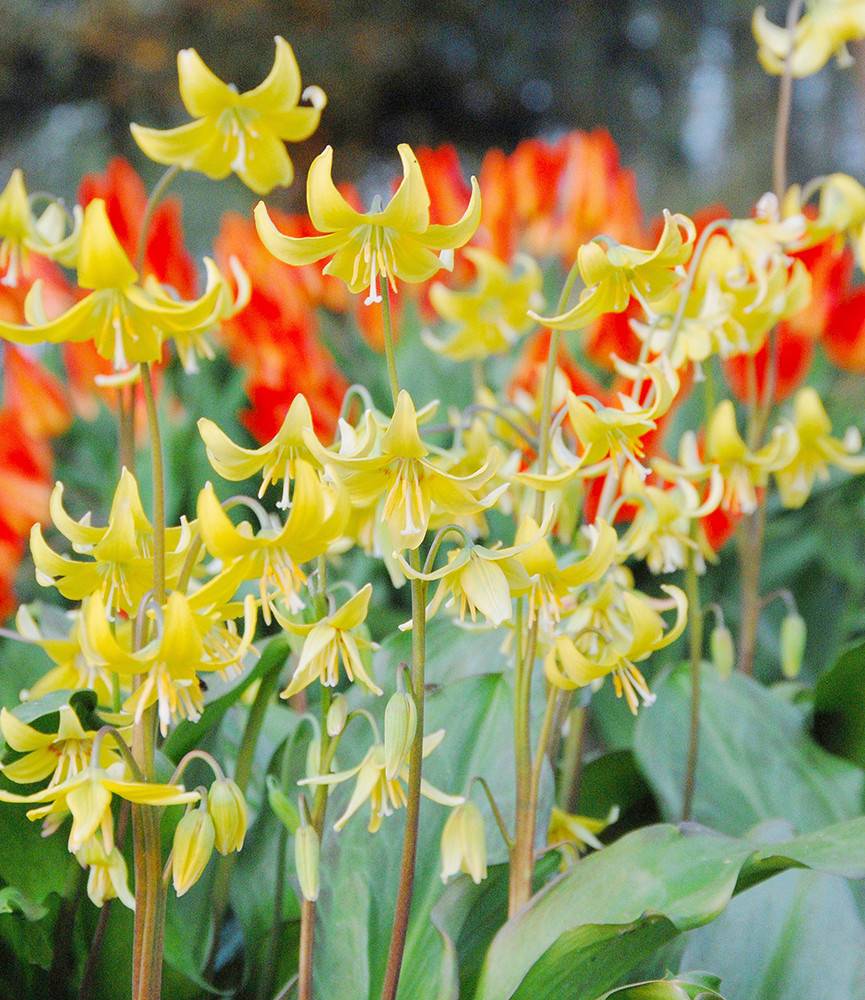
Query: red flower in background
{"points": [[844, 339], [794, 355]]}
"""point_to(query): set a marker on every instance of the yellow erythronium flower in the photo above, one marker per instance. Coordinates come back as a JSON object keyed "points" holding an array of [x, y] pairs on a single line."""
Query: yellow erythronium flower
{"points": [[823, 31], [411, 484], [816, 451], [579, 833], [60, 754], [385, 795], [329, 641], [87, 796], [121, 554], [194, 839], [464, 844], [237, 132], [317, 517], [609, 432], [550, 583], [388, 243], [23, 232], [126, 323], [841, 210], [107, 878], [613, 273], [275, 460], [490, 316], [574, 662]]}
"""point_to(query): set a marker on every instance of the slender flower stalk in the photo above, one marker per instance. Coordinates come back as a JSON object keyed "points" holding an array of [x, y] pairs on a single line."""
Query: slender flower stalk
{"points": [[695, 645]]}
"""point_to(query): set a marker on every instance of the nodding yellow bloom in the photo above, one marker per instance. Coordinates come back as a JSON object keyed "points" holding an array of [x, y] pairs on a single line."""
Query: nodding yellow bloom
{"points": [[120, 564], [613, 273], [87, 796], [329, 641], [227, 808], [107, 877], [372, 783], [243, 133], [841, 209], [578, 833], [549, 583], [611, 433], [574, 662], [23, 232], [396, 241], [273, 556], [662, 531], [72, 671], [275, 460], [60, 754], [170, 662], [492, 315], [411, 484], [194, 839], [817, 450], [464, 844], [126, 323], [823, 31]]}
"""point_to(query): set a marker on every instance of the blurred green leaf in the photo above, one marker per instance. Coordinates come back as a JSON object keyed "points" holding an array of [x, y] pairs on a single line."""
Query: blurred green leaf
{"points": [[839, 704]]}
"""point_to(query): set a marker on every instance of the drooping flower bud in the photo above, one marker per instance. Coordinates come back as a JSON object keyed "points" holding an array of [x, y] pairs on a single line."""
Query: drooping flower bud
{"points": [[793, 636], [337, 714], [723, 650], [313, 757], [400, 723], [306, 850], [463, 844], [227, 808], [193, 844], [282, 805]]}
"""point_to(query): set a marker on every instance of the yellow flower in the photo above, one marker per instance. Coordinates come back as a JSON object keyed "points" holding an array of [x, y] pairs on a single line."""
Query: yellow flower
{"points": [[549, 583], [578, 832], [329, 641], [126, 323], [372, 783], [464, 844], [492, 315], [23, 232], [841, 209], [816, 451], [194, 838], [609, 432], [237, 132], [227, 808], [822, 32], [388, 243], [317, 518], [275, 460], [120, 566], [614, 273], [87, 796], [60, 754], [411, 484], [574, 662], [107, 878]]}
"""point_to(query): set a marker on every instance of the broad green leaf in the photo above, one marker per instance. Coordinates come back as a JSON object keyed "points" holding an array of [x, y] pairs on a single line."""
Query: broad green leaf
{"points": [[691, 986], [839, 704], [756, 761]]}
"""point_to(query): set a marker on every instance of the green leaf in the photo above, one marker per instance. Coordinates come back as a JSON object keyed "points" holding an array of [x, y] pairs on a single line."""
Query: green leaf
{"points": [[221, 696], [13, 900], [586, 929], [693, 986], [756, 761], [839, 704]]}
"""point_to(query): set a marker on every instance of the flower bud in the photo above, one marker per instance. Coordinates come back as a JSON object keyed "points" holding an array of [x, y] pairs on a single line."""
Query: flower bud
{"points": [[723, 650], [282, 805], [793, 635], [313, 758], [464, 844], [193, 845], [306, 861], [400, 723], [227, 808], [337, 714]]}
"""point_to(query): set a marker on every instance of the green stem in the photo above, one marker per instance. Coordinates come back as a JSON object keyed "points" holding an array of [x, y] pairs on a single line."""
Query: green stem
{"points": [[389, 348], [409, 849], [156, 196], [695, 639], [158, 472], [572, 759], [126, 422]]}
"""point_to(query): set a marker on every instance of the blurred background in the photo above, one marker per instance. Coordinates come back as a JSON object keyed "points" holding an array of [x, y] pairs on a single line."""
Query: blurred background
{"points": [[676, 83]]}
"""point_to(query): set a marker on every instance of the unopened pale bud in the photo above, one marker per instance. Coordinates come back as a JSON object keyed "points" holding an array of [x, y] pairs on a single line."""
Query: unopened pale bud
{"points": [[400, 724], [793, 636], [336, 715], [723, 650], [306, 851], [464, 844], [282, 805], [313, 757], [227, 808], [193, 844]]}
